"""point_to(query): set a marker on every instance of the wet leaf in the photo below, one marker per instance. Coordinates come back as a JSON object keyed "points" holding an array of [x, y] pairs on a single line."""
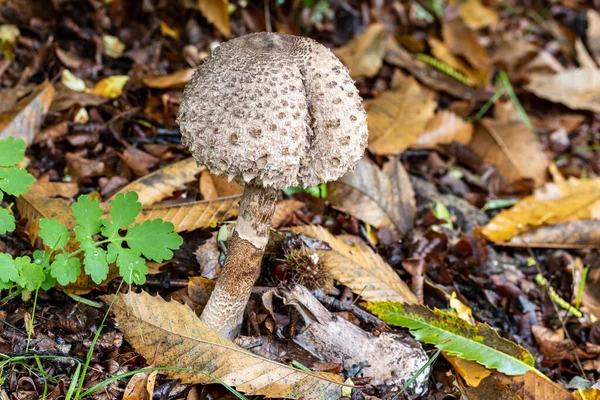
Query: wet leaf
{"points": [[554, 203], [188, 343], [216, 12], [378, 197], [397, 117], [363, 55], [578, 89], [359, 268], [457, 337], [25, 118]]}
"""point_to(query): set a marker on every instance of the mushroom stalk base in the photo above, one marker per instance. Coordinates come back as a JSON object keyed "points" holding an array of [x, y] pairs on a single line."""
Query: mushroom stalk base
{"points": [[225, 309]]}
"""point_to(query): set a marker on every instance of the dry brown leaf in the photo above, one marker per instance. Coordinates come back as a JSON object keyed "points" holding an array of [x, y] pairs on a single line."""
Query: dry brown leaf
{"points": [[378, 197], [24, 119], [217, 13], [593, 33], [489, 388], [33, 208], [397, 117], [444, 128], [176, 80], [476, 15], [359, 268], [54, 189], [428, 75], [163, 182], [284, 210], [66, 98], [186, 342], [532, 386], [572, 234], [554, 203], [512, 147], [10, 96], [363, 55], [542, 334], [472, 372], [443, 53], [213, 187], [591, 292], [584, 59], [138, 160], [81, 168], [578, 89], [193, 215], [138, 387], [463, 41]]}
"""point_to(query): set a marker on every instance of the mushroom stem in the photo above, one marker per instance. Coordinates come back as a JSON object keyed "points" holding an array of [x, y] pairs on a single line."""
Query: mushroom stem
{"points": [[225, 309]]}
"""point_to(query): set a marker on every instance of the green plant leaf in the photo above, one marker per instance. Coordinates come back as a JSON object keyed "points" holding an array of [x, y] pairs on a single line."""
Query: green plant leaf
{"points": [[65, 269], [54, 234], [12, 150], [123, 211], [15, 181], [49, 281], [7, 221], [154, 239], [8, 269], [132, 267], [95, 264], [448, 332], [88, 214], [31, 275]]}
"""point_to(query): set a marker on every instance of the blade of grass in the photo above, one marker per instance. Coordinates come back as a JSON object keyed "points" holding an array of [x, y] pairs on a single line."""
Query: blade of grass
{"points": [[419, 372], [503, 79], [581, 286], [73, 384]]}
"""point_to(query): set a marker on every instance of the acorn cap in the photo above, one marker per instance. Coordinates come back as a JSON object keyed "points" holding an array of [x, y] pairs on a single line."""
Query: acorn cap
{"points": [[273, 110]]}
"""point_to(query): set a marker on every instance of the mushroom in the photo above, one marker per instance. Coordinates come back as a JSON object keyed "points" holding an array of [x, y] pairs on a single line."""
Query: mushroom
{"points": [[268, 111]]}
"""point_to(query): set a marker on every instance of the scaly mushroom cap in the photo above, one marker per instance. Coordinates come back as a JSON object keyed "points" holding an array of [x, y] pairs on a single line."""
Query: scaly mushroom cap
{"points": [[273, 110]]}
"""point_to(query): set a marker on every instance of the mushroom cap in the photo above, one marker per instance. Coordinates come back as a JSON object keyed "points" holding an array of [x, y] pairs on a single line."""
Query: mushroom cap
{"points": [[273, 110]]}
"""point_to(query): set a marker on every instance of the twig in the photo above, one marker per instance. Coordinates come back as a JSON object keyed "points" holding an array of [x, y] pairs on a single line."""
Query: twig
{"points": [[339, 306]]}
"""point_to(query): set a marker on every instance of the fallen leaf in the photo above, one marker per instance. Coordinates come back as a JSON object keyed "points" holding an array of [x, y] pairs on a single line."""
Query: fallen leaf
{"points": [[67, 190], [80, 168], [33, 208], [542, 334], [10, 96], [25, 118], [113, 47], [136, 387], [284, 210], [378, 197], [584, 59], [66, 98], [572, 234], [443, 53], [111, 87], [587, 394], [166, 30], [217, 13], [138, 160], [213, 187], [359, 268], [578, 89], [207, 255], [532, 386], [71, 81], [554, 203], [186, 342], [593, 33], [590, 297], [512, 147], [472, 372], [397, 117], [8, 38], [363, 55], [462, 41], [490, 388], [193, 215], [162, 183], [476, 15], [176, 80], [444, 128], [429, 76]]}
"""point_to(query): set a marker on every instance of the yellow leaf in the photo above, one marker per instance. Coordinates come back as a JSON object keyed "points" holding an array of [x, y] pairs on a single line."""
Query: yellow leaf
{"points": [[175, 80], [472, 372], [555, 203], [443, 53], [534, 386], [71, 81], [111, 87], [363, 55], [186, 342], [476, 15], [359, 268], [217, 13], [167, 31], [587, 394], [445, 127], [113, 47], [397, 117], [8, 38]]}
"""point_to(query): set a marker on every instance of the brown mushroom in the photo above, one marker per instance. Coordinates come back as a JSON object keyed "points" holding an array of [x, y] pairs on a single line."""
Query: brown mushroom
{"points": [[268, 111]]}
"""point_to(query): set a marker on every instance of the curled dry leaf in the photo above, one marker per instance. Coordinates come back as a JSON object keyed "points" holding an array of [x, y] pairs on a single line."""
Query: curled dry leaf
{"points": [[363, 55], [176, 80], [554, 203], [147, 321], [444, 128], [512, 147], [217, 13], [24, 119], [359, 268], [397, 117], [378, 197], [578, 89], [163, 182]]}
